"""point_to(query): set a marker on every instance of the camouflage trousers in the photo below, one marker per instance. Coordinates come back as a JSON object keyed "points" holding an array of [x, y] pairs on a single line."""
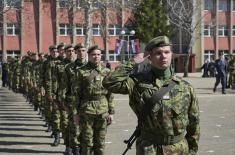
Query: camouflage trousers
{"points": [[55, 117], [93, 131], [145, 147], [70, 127], [48, 111]]}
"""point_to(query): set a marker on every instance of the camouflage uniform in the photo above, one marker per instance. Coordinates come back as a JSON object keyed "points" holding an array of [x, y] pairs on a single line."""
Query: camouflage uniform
{"points": [[50, 86], [231, 69], [69, 130], [172, 126], [95, 104], [16, 75]]}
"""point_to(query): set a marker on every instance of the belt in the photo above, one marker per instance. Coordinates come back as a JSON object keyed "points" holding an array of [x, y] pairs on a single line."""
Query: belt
{"points": [[163, 139], [94, 98]]}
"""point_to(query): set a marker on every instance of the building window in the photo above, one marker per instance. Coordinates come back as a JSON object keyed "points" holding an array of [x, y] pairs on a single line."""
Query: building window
{"points": [[64, 3], [114, 30], [97, 4], [233, 30], [80, 30], [223, 30], [209, 55], [65, 29], [233, 4], [13, 3], [208, 5], [13, 54], [223, 5], [13, 29], [208, 31], [225, 52], [96, 30]]}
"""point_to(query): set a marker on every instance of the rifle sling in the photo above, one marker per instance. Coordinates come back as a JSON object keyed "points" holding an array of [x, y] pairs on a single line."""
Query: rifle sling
{"points": [[157, 96]]}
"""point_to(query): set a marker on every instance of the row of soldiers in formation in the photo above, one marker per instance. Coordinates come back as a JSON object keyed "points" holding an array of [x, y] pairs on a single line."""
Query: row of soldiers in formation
{"points": [[68, 93]]}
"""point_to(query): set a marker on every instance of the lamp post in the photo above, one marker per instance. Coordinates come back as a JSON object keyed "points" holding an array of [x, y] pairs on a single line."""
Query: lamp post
{"points": [[123, 33]]}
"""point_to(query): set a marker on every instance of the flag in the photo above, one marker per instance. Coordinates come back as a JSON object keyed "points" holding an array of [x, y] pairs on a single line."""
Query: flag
{"points": [[119, 45], [135, 46]]}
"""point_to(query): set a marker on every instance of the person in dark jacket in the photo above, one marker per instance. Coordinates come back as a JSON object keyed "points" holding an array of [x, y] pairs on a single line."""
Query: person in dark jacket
{"points": [[4, 74], [221, 73]]}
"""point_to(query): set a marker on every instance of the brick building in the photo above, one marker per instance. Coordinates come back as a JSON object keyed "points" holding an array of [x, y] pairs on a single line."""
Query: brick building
{"points": [[36, 24], [218, 28]]}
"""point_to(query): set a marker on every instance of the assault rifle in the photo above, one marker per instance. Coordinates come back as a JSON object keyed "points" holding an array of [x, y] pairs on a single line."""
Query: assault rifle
{"points": [[131, 140]]}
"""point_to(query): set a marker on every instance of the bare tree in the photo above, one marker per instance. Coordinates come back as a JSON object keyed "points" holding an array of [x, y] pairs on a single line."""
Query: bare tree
{"points": [[186, 15]]}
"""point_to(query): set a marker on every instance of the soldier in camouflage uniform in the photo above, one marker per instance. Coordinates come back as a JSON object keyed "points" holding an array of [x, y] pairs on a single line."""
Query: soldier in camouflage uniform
{"points": [[171, 126], [95, 103], [58, 110], [16, 75], [71, 130], [231, 69], [50, 85]]}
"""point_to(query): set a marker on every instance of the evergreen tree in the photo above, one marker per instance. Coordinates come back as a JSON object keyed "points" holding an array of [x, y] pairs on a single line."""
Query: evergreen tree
{"points": [[151, 20]]}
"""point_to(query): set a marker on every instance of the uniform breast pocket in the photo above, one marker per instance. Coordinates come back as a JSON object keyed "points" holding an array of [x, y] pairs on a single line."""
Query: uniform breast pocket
{"points": [[179, 111]]}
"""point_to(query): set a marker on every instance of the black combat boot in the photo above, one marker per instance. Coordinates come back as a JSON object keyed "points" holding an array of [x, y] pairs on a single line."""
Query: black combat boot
{"points": [[76, 151], [49, 129], [57, 139], [68, 151]]}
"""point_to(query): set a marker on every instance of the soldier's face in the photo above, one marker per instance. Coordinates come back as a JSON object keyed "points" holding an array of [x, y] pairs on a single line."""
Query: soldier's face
{"points": [[95, 56], [160, 57], [81, 53], [54, 53], [61, 52], [69, 53]]}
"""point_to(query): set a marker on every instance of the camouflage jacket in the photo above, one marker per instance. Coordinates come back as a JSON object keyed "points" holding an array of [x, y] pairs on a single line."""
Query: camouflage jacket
{"points": [[92, 97], [51, 83], [69, 80], [60, 71], [177, 113]]}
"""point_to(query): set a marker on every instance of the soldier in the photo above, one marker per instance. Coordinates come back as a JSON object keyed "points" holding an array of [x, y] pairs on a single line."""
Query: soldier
{"points": [[221, 75], [167, 124], [71, 131], [58, 112], [50, 85], [4, 73], [231, 69], [95, 103]]}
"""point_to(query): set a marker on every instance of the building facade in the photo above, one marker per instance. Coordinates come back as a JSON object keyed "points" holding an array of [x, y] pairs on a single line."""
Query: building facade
{"points": [[36, 24], [218, 29]]}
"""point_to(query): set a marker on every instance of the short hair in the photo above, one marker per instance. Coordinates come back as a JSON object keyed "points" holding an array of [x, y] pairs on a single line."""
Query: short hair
{"points": [[92, 48]]}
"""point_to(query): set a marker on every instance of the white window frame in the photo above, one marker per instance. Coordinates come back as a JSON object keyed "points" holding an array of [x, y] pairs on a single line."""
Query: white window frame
{"points": [[225, 52], [13, 27], [209, 54], [12, 3], [63, 3], [223, 5], [65, 28], [223, 29], [81, 28], [13, 54], [209, 30], [97, 28], [115, 29]]}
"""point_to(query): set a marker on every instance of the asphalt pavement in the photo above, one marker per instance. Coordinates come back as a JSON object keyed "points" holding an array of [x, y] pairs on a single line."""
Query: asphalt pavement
{"points": [[22, 131]]}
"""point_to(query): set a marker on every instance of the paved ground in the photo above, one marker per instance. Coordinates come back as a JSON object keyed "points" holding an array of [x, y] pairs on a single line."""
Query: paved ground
{"points": [[22, 131]]}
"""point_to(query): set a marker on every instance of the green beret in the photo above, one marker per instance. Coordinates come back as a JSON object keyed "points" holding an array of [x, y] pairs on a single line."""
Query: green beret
{"points": [[68, 46], [52, 47], [61, 45], [92, 48], [79, 45], [158, 42]]}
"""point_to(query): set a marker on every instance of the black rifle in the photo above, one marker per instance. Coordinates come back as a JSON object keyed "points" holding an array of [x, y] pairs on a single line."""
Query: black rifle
{"points": [[157, 96], [131, 140]]}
